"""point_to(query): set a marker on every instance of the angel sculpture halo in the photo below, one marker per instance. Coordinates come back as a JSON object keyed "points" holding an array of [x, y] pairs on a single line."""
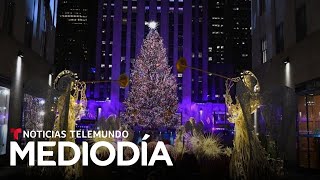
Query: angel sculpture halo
{"points": [[245, 79]]}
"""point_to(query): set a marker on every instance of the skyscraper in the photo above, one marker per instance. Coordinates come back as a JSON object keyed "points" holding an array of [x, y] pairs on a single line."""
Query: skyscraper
{"points": [[229, 47], [74, 35], [229, 33], [121, 28]]}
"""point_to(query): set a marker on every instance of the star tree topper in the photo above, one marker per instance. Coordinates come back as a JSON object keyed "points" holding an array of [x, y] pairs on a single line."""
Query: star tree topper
{"points": [[152, 25]]}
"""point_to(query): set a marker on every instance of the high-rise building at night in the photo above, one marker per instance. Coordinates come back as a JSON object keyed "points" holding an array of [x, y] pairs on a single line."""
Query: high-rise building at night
{"points": [[74, 36], [183, 24], [229, 33], [229, 47]]}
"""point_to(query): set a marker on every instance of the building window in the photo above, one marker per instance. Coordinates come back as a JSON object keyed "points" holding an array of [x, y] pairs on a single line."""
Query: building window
{"points": [[264, 50], [301, 23], [279, 38], [262, 7]]}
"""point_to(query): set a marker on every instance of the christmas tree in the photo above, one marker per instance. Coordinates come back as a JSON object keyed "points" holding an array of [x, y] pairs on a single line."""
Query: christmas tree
{"points": [[152, 100]]}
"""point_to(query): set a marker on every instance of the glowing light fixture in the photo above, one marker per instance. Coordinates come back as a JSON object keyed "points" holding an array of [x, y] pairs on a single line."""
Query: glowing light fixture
{"points": [[50, 80], [18, 69], [19, 63], [201, 112], [286, 60]]}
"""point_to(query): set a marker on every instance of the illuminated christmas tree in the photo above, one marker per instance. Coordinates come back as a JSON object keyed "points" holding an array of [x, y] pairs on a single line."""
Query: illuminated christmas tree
{"points": [[152, 101]]}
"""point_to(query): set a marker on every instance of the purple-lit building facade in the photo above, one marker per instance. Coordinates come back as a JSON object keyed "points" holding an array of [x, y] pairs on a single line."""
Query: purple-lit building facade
{"points": [[183, 24]]}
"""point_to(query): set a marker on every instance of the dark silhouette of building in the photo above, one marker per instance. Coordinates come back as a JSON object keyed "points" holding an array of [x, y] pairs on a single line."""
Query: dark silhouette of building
{"points": [[75, 36]]}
